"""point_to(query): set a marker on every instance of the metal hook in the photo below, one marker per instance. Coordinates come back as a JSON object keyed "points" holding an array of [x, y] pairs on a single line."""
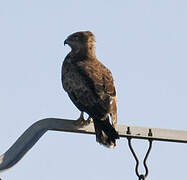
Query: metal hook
{"points": [[140, 176]]}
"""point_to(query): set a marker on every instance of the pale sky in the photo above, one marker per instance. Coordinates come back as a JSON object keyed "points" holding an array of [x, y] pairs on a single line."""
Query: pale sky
{"points": [[143, 43]]}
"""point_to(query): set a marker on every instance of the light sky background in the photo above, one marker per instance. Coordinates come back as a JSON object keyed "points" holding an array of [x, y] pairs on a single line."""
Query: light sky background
{"points": [[143, 43]]}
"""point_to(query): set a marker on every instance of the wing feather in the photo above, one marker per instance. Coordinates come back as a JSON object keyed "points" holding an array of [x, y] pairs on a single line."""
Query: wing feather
{"points": [[100, 76]]}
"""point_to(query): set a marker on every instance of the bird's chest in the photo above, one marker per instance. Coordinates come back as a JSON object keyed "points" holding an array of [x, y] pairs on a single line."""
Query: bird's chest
{"points": [[72, 80]]}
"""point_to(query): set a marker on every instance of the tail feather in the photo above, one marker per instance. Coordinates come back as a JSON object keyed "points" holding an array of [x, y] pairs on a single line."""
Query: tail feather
{"points": [[105, 133]]}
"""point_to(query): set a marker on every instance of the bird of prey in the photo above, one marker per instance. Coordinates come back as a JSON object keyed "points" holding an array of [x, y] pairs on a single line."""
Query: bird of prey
{"points": [[90, 86]]}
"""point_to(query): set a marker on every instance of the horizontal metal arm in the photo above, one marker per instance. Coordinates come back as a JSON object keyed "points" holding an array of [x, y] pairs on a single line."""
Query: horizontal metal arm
{"points": [[35, 131]]}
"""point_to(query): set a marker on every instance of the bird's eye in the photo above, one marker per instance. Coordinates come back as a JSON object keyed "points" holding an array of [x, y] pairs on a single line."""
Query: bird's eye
{"points": [[76, 38]]}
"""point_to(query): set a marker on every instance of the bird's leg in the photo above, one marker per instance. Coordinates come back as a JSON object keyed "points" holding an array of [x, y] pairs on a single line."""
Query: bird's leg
{"points": [[88, 121], [81, 121]]}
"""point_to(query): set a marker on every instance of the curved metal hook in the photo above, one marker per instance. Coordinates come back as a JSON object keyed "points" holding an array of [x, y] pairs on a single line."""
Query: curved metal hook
{"points": [[140, 176]]}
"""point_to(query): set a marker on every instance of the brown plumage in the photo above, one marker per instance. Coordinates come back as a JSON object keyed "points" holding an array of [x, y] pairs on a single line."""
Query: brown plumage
{"points": [[90, 86]]}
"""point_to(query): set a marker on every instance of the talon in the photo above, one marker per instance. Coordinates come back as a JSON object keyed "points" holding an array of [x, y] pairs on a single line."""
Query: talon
{"points": [[88, 121], [82, 122]]}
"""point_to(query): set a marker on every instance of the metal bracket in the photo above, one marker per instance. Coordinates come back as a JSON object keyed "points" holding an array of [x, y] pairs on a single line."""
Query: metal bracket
{"points": [[27, 140], [140, 176]]}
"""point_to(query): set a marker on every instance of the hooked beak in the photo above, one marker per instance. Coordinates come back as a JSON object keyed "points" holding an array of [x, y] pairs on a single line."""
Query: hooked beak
{"points": [[65, 42]]}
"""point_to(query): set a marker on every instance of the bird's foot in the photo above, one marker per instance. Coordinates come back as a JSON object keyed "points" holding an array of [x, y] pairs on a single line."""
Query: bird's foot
{"points": [[82, 122], [88, 121]]}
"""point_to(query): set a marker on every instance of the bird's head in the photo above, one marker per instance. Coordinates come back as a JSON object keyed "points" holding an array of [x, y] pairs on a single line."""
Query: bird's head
{"points": [[80, 41]]}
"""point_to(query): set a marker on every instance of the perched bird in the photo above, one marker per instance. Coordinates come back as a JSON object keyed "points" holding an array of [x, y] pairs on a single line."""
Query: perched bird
{"points": [[90, 86]]}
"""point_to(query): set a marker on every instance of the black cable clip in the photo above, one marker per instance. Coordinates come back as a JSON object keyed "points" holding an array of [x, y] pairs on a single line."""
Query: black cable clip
{"points": [[140, 176]]}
